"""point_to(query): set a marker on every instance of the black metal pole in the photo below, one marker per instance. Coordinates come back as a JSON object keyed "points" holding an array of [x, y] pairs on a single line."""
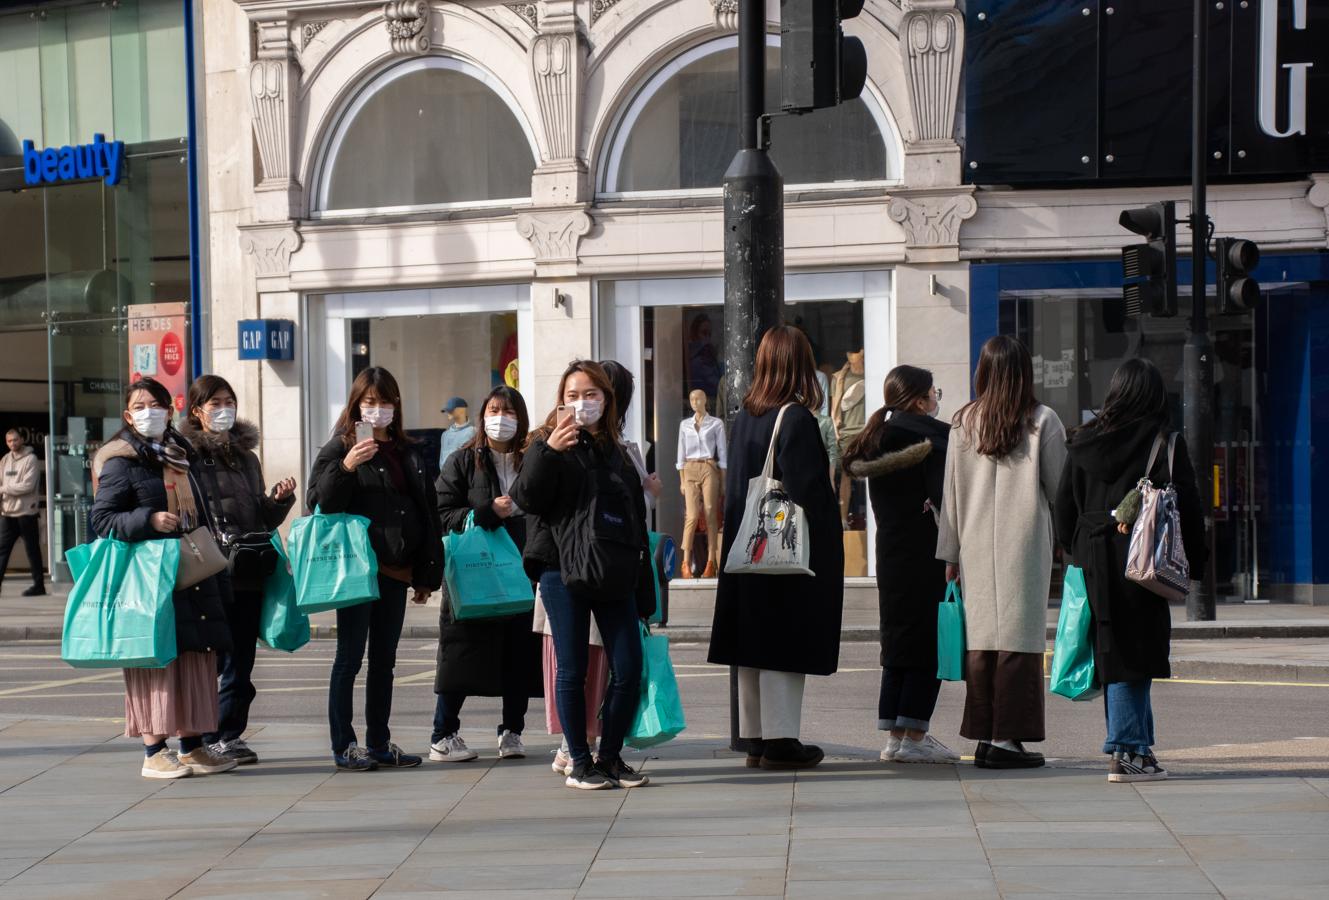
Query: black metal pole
{"points": [[1198, 399], [753, 244]]}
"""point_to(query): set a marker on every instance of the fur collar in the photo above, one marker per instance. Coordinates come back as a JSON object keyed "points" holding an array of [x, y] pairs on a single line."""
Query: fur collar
{"points": [[895, 461], [117, 448], [243, 436]]}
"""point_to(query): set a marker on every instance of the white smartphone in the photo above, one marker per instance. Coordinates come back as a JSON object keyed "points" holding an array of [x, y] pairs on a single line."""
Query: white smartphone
{"points": [[363, 431]]}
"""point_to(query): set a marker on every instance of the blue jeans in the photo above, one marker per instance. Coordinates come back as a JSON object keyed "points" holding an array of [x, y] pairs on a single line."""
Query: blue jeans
{"points": [[1130, 717], [447, 714], [570, 622], [908, 698], [376, 625]]}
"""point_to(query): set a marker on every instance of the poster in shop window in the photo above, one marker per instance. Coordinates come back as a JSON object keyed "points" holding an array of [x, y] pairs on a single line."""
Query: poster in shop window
{"points": [[157, 347]]}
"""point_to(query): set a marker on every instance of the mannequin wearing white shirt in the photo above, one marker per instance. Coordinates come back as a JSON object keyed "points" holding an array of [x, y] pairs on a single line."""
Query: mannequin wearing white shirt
{"points": [[701, 461]]}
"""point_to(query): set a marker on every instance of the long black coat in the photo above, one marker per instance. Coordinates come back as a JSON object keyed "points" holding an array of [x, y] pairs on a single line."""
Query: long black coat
{"points": [[786, 623], [129, 490], [1132, 626], [404, 530], [483, 657], [906, 469]]}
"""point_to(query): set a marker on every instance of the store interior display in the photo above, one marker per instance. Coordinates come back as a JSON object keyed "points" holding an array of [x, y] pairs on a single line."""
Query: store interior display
{"points": [[701, 463]]}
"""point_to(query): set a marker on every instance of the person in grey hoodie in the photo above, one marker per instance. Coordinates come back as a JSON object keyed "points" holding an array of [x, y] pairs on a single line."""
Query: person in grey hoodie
{"points": [[20, 484]]}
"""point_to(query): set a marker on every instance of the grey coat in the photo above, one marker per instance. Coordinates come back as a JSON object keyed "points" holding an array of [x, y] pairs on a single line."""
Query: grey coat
{"points": [[996, 523]]}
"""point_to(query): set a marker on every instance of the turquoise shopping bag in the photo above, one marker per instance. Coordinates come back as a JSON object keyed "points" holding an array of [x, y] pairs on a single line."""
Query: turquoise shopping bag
{"points": [[332, 562], [484, 573], [950, 635], [1073, 672], [660, 710], [119, 614], [76, 557], [281, 624]]}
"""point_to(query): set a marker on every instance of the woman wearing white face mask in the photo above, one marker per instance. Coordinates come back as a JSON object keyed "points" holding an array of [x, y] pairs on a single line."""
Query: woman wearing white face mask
{"points": [[382, 478], [497, 657], [246, 514], [145, 489]]}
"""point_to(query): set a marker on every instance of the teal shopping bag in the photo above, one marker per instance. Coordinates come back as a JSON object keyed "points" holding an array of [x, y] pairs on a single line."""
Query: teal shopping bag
{"points": [[332, 562], [1073, 672], [660, 710], [76, 557], [484, 573], [119, 614], [281, 624], [950, 635]]}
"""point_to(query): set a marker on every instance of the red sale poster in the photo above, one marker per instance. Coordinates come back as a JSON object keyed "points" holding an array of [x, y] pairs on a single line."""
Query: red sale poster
{"points": [[157, 347]]}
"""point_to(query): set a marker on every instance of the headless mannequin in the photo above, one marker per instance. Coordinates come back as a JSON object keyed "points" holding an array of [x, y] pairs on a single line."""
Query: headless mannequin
{"points": [[700, 480], [848, 409]]}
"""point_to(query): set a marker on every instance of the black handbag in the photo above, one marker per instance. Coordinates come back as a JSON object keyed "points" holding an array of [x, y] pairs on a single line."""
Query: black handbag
{"points": [[250, 557]]}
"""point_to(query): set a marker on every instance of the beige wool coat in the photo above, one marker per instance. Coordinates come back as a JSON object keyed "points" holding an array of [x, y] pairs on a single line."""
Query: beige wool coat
{"points": [[996, 523]]}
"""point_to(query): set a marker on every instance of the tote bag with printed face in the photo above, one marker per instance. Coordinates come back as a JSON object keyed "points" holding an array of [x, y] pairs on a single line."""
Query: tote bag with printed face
{"points": [[773, 536]]}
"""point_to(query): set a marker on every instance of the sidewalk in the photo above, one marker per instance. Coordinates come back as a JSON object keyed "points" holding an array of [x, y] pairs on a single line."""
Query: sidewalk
{"points": [[83, 823], [1247, 642]]}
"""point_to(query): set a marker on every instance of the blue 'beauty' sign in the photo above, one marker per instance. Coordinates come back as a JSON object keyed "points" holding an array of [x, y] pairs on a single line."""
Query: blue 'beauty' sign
{"points": [[101, 159]]}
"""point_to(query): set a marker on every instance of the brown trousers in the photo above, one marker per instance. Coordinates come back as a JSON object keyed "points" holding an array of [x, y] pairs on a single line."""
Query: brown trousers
{"points": [[1004, 696], [701, 492]]}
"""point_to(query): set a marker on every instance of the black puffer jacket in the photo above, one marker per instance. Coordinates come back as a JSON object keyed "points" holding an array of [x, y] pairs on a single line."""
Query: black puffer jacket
{"points": [[129, 490], [483, 657], [230, 471], [404, 530]]}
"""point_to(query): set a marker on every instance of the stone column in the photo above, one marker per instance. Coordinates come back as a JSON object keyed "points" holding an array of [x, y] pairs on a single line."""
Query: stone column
{"points": [[274, 79]]}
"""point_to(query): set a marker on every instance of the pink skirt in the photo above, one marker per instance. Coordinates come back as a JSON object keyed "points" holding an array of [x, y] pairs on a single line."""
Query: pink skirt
{"points": [[179, 699], [597, 685]]}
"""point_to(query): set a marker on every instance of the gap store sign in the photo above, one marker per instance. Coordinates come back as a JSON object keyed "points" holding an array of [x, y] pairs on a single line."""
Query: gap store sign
{"points": [[101, 159]]}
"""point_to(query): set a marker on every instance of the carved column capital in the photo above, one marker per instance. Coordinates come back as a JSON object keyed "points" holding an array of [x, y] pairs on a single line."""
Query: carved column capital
{"points": [[554, 235], [726, 14], [274, 78], [271, 246], [931, 220], [932, 32], [1318, 196], [407, 23]]}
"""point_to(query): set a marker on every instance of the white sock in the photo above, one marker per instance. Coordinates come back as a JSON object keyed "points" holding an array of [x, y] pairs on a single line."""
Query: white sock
{"points": [[1013, 746]]}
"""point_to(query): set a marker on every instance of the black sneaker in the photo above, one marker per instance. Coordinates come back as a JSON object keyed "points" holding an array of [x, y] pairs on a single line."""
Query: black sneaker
{"points": [[1126, 769], [355, 759], [588, 777], [392, 757], [621, 774], [36, 590], [237, 750]]}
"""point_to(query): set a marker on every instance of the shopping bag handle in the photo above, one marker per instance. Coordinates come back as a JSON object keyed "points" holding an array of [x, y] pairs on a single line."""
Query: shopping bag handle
{"points": [[768, 470], [953, 594]]}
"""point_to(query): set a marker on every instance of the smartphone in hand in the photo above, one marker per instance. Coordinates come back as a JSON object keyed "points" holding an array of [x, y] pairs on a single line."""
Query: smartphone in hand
{"points": [[363, 431], [562, 414]]}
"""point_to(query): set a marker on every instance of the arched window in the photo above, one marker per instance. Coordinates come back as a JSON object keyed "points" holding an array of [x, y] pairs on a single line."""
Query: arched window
{"points": [[430, 132], [681, 131]]}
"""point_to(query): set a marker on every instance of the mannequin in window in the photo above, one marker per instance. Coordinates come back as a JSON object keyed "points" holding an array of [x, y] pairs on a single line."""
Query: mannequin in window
{"points": [[459, 433], [848, 414], [701, 462]]}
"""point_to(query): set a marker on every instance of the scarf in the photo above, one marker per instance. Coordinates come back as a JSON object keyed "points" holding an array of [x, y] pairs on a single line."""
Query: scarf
{"points": [[174, 461]]}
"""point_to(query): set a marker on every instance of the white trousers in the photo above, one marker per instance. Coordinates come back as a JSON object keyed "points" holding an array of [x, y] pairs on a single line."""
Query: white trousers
{"points": [[770, 704]]}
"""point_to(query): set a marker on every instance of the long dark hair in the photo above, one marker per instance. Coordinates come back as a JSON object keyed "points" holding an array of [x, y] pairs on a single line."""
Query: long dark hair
{"points": [[785, 373], [621, 381], [379, 380], [1002, 412], [609, 434], [512, 399], [904, 387], [1136, 395], [204, 388]]}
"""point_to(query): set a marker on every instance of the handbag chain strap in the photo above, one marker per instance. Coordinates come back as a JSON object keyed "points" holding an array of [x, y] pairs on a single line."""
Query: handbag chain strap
{"points": [[768, 470]]}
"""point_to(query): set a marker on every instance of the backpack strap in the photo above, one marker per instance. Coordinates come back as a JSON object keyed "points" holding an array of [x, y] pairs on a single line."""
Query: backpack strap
{"points": [[768, 470]]}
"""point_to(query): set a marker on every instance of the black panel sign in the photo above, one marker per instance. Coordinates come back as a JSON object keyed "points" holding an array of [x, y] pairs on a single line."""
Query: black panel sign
{"points": [[1101, 91]]}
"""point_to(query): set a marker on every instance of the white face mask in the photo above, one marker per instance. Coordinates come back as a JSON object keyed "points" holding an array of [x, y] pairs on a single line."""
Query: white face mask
{"points": [[376, 416], [221, 419], [586, 411], [150, 422], [500, 428]]}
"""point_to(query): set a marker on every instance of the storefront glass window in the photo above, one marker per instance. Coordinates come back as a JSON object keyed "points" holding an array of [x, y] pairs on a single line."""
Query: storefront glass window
{"points": [[401, 146], [683, 136]]}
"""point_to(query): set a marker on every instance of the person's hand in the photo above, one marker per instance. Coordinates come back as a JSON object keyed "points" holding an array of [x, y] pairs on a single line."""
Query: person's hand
{"points": [[165, 522], [283, 489], [952, 572], [564, 435], [360, 454], [503, 506], [421, 596], [653, 485]]}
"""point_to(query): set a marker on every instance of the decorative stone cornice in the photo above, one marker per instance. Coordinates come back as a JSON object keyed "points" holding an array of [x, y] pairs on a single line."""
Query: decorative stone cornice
{"points": [[600, 7], [554, 233], [407, 22], [271, 246], [1318, 196], [931, 220], [932, 32], [726, 14], [310, 30], [527, 11]]}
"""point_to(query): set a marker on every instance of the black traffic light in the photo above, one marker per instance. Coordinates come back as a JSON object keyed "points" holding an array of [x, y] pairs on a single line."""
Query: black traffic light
{"points": [[1151, 269], [819, 66], [1237, 291]]}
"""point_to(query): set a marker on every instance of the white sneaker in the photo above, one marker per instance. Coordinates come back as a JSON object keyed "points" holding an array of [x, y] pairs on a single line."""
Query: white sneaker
{"points": [[562, 762], [892, 747], [451, 749], [510, 746], [928, 750]]}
